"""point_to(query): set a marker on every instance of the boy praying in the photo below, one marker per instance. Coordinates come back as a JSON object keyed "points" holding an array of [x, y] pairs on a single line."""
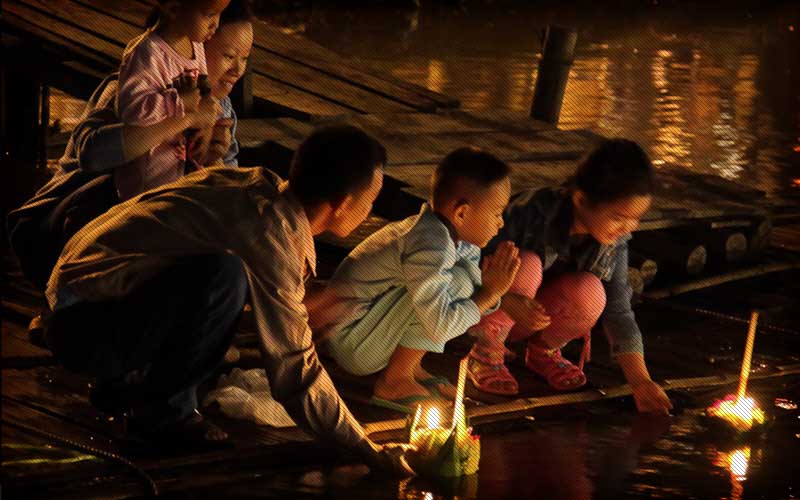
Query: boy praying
{"points": [[417, 283]]}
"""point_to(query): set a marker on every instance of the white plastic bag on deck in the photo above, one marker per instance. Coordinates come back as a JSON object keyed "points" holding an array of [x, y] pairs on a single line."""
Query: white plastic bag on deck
{"points": [[245, 394]]}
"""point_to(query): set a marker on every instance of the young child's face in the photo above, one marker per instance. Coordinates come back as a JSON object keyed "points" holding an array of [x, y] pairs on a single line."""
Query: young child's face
{"points": [[608, 222], [201, 19], [482, 217]]}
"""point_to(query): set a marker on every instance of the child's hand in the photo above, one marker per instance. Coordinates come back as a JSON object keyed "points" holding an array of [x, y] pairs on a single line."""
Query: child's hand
{"points": [[526, 313], [650, 397], [219, 141], [186, 85], [206, 113], [500, 269]]}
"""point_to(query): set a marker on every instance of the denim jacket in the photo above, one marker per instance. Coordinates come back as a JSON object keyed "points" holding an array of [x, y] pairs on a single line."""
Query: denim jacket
{"points": [[540, 221]]}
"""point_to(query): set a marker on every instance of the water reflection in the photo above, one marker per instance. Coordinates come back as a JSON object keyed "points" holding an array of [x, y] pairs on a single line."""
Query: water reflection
{"points": [[716, 95], [737, 462]]}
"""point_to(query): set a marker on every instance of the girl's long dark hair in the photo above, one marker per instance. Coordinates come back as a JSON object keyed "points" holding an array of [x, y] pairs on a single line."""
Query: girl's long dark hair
{"points": [[615, 169]]}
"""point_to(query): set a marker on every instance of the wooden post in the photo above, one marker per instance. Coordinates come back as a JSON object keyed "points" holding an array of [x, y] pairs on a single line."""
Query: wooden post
{"points": [[242, 95], [551, 79]]}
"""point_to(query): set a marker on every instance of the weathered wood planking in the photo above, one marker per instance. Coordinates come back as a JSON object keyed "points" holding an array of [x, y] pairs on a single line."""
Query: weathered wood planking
{"points": [[292, 75], [540, 156], [301, 51]]}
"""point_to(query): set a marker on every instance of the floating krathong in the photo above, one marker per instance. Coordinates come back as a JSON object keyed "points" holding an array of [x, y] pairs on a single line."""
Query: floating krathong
{"points": [[447, 451], [739, 412]]}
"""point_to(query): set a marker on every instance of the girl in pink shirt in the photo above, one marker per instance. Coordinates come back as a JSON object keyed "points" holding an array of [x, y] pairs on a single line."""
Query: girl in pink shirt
{"points": [[153, 65]]}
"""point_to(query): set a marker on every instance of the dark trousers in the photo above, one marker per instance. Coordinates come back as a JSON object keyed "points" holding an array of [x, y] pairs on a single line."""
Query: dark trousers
{"points": [[149, 351]]}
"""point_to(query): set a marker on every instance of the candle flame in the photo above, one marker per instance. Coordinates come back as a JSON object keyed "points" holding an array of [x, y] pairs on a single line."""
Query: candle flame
{"points": [[433, 417], [741, 413]]}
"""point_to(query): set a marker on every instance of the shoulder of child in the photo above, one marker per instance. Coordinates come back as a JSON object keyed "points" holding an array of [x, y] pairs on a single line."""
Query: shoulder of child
{"points": [[427, 233], [140, 47]]}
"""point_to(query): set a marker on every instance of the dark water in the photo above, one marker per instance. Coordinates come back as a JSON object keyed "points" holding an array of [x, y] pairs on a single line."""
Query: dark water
{"points": [[707, 86], [602, 452]]}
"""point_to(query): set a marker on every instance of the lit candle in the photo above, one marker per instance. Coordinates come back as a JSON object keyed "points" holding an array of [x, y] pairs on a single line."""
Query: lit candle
{"points": [[451, 450], [741, 411]]}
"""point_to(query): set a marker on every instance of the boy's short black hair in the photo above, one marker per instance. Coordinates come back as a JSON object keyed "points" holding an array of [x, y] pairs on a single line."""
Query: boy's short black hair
{"points": [[334, 161], [469, 163], [615, 169], [237, 11]]}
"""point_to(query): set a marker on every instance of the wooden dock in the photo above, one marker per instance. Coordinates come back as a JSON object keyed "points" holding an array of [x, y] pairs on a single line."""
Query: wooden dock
{"points": [[540, 155], [297, 85], [73, 44], [690, 352]]}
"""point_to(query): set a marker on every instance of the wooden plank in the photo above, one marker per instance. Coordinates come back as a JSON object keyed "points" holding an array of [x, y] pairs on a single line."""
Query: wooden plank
{"points": [[487, 413], [273, 90], [307, 80], [59, 30], [282, 99], [132, 13], [98, 24], [353, 88], [539, 158], [302, 51], [17, 410]]}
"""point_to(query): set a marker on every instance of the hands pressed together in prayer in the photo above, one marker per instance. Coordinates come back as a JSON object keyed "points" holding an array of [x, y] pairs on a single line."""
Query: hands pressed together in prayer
{"points": [[498, 272]]}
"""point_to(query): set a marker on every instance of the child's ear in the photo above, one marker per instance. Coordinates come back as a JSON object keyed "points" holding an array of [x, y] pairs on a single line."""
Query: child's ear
{"points": [[340, 208], [579, 199], [460, 211]]}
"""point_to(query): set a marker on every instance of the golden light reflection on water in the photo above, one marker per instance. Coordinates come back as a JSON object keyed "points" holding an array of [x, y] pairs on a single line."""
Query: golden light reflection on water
{"points": [[694, 95], [737, 463]]}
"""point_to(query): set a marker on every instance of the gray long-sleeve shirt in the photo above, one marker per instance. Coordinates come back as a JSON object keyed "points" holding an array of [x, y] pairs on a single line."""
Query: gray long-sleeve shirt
{"points": [[249, 213]]}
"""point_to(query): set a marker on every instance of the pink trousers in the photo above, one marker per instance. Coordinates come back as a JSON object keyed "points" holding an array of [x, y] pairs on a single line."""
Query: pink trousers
{"points": [[574, 301]]}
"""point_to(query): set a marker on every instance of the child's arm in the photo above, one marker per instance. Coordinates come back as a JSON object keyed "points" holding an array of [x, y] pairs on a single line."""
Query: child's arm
{"points": [[619, 322], [144, 96], [623, 332], [427, 269]]}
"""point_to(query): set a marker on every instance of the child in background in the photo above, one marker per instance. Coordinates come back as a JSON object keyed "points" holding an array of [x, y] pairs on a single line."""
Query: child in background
{"points": [[167, 57], [573, 245], [417, 283]]}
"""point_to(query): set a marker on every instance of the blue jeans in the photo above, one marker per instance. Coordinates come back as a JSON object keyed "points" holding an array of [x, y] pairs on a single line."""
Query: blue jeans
{"points": [[149, 351]]}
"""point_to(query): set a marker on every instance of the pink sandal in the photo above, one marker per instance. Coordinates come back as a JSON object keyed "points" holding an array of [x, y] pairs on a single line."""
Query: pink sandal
{"points": [[555, 368], [488, 373]]}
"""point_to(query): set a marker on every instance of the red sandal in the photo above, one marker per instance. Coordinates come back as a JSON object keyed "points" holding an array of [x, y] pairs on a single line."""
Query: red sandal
{"points": [[554, 368], [488, 374]]}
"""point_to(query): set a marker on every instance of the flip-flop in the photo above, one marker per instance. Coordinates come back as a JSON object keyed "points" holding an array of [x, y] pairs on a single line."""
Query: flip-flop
{"points": [[407, 404], [433, 382]]}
